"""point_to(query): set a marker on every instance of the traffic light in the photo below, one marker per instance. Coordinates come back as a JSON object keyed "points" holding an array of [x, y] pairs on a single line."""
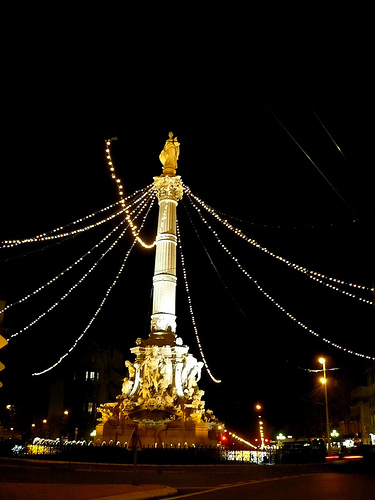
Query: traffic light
{"points": [[3, 341], [224, 440]]}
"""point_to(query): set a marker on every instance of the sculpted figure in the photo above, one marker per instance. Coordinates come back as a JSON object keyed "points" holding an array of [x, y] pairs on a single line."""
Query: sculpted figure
{"points": [[189, 362], [109, 412], [191, 372], [151, 368], [170, 153], [127, 386], [131, 370], [145, 392], [194, 375], [168, 399]]}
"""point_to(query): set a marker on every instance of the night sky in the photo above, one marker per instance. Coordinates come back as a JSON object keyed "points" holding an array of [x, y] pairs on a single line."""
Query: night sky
{"points": [[236, 155]]}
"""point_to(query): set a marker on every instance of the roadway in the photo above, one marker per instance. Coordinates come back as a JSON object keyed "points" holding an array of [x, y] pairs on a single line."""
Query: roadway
{"points": [[36, 480]]}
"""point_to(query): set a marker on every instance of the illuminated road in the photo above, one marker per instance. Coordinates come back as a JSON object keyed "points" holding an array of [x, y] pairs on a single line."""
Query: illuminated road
{"points": [[79, 481], [316, 486]]}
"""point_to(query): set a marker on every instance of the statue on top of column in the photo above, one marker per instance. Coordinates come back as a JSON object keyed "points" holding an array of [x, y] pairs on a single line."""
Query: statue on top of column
{"points": [[169, 155]]}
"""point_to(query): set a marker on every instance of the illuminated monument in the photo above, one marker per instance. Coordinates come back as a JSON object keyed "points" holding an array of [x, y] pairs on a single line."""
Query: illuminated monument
{"points": [[160, 396]]}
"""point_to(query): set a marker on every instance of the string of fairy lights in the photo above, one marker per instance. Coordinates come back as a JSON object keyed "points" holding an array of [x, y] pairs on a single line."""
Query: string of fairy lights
{"points": [[55, 234], [117, 180], [217, 381], [48, 237], [75, 343], [319, 277], [40, 237], [267, 295], [103, 301], [241, 440], [70, 290]]}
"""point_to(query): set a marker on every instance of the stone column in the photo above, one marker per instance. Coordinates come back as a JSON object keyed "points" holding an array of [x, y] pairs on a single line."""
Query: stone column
{"points": [[163, 319]]}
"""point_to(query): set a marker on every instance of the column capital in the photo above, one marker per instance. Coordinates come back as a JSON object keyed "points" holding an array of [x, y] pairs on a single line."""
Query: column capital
{"points": [[168, 188]]}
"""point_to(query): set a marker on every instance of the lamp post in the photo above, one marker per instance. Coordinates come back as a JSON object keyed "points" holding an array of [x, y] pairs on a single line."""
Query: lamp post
{"points": [[64, 426], [258, 408], [45, 428], [323, 380]]}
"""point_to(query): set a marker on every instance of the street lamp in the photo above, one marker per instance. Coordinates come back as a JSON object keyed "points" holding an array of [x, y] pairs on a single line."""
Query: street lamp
{"points": [[336, 438], [258, 408], [323, 380]]}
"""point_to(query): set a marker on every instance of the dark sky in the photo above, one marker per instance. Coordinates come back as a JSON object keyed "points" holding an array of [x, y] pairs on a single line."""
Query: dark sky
{"points": [[237, 157]]}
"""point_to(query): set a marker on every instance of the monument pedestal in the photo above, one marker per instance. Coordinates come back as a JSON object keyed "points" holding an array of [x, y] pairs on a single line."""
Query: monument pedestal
{"points": [[160, 401], [147, 434]]}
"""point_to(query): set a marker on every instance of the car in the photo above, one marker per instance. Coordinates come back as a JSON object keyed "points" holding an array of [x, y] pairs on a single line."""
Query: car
{"points": [[358, 455], [342, 458]]}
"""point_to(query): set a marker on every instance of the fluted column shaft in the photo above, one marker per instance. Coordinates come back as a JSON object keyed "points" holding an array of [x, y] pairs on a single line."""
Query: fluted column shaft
{"points": [[163, 319]]}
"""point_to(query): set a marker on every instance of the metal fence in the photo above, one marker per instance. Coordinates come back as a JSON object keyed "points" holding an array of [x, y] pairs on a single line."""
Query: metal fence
{"points": [[88, 452]]}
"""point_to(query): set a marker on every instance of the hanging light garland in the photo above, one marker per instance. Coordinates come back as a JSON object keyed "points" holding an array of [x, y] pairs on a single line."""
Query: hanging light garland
{"points": [[55, 278], [51, 235], [63, 297], [217, 381], [139, 208], [242, 440], [106, 295], [8, 243], [120, 188], [212, 262], [279, 306], [91, 320], [46, 237], [318, 277]]}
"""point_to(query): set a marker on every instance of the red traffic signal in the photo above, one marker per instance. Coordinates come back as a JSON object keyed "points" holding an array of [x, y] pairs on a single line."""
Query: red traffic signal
{"points": [[3, 341]]}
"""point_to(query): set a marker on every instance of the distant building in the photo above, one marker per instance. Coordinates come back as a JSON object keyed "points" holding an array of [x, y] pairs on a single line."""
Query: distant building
{"points": [[96, 378], [371, 400], [359, 424]]}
